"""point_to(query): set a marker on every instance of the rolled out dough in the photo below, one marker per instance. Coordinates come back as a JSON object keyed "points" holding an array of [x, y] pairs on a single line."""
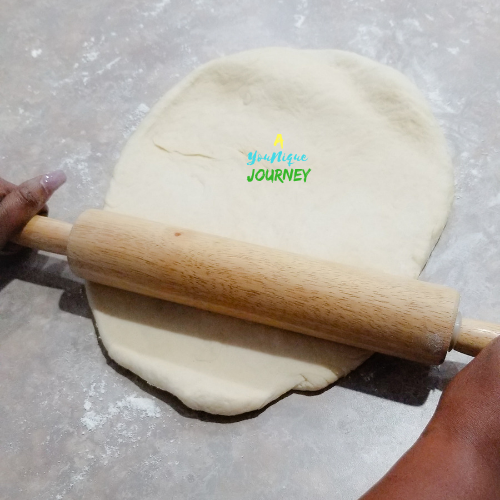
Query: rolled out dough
{"points": [[378, 195]]}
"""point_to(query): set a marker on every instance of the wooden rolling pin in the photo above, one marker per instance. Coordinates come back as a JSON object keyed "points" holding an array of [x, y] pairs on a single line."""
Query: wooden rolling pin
{"points": [[398, 316]]}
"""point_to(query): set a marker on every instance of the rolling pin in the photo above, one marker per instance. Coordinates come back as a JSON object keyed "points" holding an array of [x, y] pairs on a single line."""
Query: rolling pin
{"points": [[380, 312]]}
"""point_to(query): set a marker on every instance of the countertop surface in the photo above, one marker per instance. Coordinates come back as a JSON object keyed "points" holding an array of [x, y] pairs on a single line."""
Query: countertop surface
{"points": [[76, 79]]}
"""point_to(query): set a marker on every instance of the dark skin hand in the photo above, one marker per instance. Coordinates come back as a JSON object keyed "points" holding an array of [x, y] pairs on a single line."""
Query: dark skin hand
{"points": [[18, 204], [457, 457]]}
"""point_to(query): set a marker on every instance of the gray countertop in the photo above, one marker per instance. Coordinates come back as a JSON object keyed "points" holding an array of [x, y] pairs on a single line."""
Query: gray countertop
{"points": [[76, 79]]}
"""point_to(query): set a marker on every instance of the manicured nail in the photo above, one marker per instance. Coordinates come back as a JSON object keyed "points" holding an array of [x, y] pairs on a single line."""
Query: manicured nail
{"points": [[53, 180]]}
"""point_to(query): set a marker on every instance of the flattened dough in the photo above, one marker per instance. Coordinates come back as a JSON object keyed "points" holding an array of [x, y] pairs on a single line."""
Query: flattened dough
{"points": [[378, 196]]}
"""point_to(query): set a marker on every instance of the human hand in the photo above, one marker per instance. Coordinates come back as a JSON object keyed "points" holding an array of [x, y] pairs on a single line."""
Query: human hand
{"points": [[18, 204], [458, 454], [470, 406]]}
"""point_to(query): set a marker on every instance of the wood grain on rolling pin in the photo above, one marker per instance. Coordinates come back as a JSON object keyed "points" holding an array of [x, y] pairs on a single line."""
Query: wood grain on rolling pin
{"points": [[399, 316]]}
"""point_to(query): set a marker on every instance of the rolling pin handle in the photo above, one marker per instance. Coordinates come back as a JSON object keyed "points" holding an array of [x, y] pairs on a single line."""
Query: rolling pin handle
{"points": [[44, 233], [475, 335]]}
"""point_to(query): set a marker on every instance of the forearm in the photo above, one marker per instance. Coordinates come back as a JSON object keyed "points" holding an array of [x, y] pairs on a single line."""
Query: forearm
{"points": [[439, 466]]}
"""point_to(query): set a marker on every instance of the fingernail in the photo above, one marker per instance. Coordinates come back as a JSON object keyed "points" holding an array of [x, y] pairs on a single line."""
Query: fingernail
{"points": [[53, 180]]}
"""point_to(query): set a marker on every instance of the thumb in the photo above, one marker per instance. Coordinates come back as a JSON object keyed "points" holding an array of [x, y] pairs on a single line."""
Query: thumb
{"points": [[25, 201]]}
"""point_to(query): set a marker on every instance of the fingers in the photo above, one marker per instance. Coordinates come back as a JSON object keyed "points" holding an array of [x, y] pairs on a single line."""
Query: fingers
{"points": [[22, 202], [5, 188]]}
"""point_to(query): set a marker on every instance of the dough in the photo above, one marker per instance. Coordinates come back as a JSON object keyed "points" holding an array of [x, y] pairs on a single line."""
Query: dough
{"points": [[378, 195]]}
